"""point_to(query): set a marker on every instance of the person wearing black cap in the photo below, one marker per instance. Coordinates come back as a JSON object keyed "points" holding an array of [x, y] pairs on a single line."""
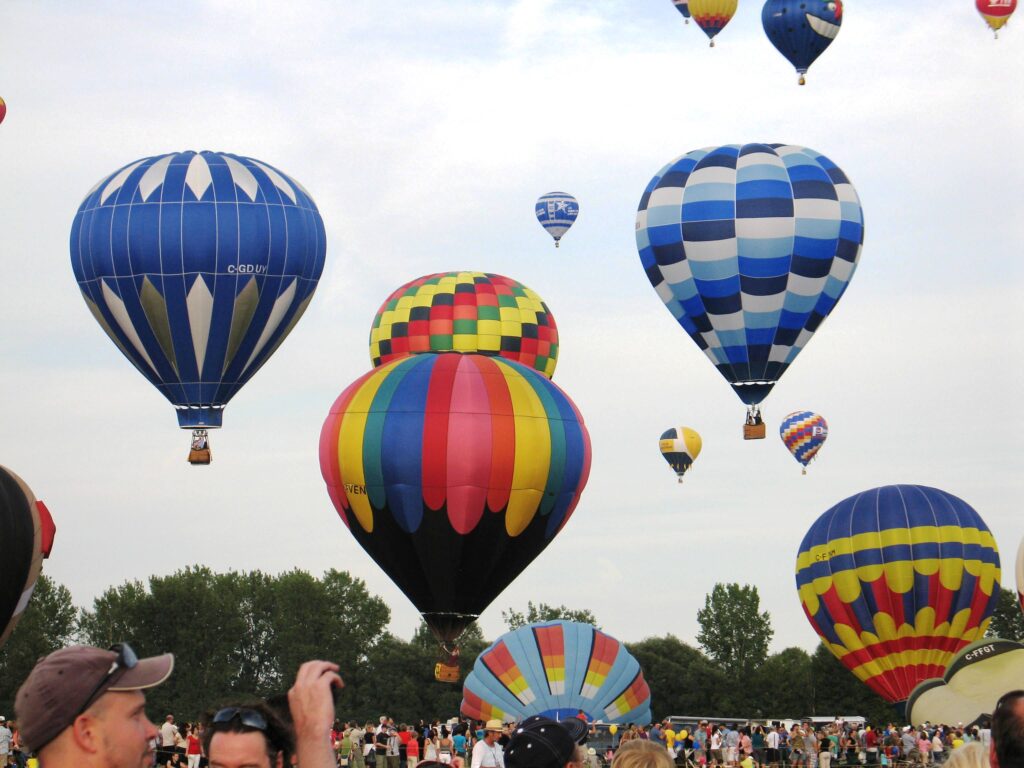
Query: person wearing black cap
{"points": [[540, 743], [84, 707]]}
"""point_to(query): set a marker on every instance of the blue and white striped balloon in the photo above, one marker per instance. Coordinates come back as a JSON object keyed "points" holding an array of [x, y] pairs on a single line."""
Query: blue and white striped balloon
{"points": [[556, 212], [197, 266], [750, 247]]}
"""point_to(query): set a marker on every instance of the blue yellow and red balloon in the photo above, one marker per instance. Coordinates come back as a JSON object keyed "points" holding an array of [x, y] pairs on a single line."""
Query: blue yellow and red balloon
{"points": [[197, 266], [680, 446], [801, 30], [712, 15], [804, 432], [895, 581], [466, 312], [556, 669], [454, 471]]}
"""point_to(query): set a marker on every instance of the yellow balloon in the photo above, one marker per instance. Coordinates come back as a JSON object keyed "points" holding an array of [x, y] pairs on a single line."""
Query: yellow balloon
{"points": [[683, 734], [613, 729]]}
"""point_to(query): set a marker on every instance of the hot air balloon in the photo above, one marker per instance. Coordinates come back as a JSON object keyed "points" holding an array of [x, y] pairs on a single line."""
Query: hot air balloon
{"points": [[454, 472], [556, 212], [466, 312], [3, 110], [804, 432], [26, 532], [996, 13], [680, 446], [555, 669], [683, 6], [801, 31], [895, 581], [197, 266], [712, 15], [750, 247]]}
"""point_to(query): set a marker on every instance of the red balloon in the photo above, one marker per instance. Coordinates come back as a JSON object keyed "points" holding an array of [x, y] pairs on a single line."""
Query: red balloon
{"points": [[3, 110]]}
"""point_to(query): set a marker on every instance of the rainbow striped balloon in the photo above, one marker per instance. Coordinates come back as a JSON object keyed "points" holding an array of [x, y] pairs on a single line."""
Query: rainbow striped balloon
{"points": [[896, 580], [454, 471], [804, 432], [555, 669]]}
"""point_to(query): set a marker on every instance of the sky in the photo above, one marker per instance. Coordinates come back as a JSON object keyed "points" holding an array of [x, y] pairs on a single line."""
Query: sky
{"points": [[425, 131]]}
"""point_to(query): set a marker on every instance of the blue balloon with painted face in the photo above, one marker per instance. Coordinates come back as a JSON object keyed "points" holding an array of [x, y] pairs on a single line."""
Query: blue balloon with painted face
{"points": [[802, 30], [197, 265]]}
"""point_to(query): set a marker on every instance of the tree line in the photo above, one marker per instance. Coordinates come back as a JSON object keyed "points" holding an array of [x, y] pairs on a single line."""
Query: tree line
{"points": [[239, 635]]}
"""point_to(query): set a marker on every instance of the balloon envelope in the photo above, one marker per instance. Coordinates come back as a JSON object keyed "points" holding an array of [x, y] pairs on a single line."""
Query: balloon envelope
{"points": [[804, 432], [801, 30], [680, 446], [197, 266], [712, 15], [996, 12], [556, 212], [555, 669], [1020, 574], [683, 6], [454, 472], [26, 535], [466, 312], [750, 248], [3, 110], [895, 581]]}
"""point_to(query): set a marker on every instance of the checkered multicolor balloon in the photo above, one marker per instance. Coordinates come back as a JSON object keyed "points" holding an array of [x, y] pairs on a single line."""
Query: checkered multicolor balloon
{"points": [[466, 312]]}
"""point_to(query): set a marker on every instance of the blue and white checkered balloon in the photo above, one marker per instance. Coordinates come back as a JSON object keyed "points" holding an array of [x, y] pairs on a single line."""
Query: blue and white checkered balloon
{"points": [[750, 247], [556, 212]]}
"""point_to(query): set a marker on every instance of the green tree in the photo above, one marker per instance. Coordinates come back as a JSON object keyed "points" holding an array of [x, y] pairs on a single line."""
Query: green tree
{"points": [[1007, 618], [733, 631], [238, 635], [543, 612], [782, 686], [682, 679], [48, 623]]}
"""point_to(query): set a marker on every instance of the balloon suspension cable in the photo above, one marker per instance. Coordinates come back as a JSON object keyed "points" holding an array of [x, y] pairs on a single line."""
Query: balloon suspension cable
{"points": [[754, 415]]}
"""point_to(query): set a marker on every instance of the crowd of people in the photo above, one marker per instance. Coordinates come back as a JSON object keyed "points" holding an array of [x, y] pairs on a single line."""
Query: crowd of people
{"points": [[84, 707]]}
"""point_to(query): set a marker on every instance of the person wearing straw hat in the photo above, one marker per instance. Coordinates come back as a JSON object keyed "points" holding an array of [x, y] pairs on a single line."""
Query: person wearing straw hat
{"points": [[487, 753]]}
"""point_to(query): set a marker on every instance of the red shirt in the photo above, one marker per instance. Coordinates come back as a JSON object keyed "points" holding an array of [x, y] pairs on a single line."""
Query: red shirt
{"points": [[193, 745], [412, 747]]}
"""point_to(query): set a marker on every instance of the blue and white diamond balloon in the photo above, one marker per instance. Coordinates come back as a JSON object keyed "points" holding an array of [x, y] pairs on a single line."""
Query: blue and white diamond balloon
{"points": [[197, 266]]}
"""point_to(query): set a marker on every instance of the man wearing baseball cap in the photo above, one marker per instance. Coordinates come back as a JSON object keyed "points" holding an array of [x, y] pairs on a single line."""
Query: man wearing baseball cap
{"points": [[83, 707]]}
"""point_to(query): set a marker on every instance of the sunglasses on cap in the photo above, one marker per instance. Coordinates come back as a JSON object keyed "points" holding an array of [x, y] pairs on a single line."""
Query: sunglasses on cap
{"points": [[250, 718], [126, 659]]}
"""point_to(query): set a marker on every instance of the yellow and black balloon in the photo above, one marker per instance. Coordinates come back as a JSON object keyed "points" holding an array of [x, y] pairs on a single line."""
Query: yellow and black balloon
{"points": [[26, 536], [680, 446]]}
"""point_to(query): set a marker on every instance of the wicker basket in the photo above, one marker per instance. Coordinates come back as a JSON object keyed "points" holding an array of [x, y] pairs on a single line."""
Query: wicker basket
{"points": [[199, 456], [753, 431]]}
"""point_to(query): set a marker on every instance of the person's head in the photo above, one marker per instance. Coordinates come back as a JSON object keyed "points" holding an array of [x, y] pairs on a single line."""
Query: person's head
{"points": [[170, 719], [973, 755], [85, 706], [250, 735], [541, 743], [642, 754], [1008, 731], [492, 731]]}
